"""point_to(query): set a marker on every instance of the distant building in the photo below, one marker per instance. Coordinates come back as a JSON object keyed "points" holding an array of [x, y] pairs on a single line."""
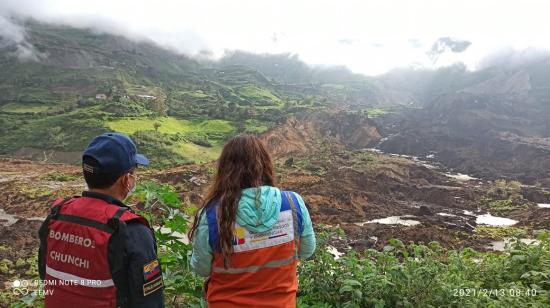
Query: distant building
{"points": [[100, 96], [146, 96]]}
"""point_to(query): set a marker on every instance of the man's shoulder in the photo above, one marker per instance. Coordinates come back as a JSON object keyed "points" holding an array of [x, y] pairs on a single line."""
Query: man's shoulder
{"points": [[135, 228]]}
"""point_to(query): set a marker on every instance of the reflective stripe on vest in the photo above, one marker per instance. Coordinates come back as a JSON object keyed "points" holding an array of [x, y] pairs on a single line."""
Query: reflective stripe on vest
{"points": [[253, 269], [85, 282]]}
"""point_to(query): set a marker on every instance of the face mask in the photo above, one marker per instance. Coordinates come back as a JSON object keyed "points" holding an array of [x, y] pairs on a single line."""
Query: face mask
{"points": [[133, 189]]}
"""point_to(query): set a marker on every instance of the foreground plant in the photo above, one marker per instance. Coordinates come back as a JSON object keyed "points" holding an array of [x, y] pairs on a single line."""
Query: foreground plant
{"points": [[418, 275]]}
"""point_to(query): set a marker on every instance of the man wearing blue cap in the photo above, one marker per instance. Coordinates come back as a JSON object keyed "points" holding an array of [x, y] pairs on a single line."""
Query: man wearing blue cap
{"points": [[94, 250]]}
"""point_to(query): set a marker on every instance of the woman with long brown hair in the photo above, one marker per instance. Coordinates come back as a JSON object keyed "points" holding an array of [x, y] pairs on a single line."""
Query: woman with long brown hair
{"points": [[248, 234]]}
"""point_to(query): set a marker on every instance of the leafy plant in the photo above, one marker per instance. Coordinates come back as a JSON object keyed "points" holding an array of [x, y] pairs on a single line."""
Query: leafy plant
{"points": [[418, 275], [164, 209]]}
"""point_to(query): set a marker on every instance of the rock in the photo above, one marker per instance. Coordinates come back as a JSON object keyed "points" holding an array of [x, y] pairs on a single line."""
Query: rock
{"points": [[424, 211], [197, 181]]}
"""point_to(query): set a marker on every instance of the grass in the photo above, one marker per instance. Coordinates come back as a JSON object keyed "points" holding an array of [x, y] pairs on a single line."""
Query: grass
{"points": [[376, 112], [504, 195], [35, 192], [255, 127], [66, 132], [362, 159], [171, 125], [175, 140], [213, 127], [24, 108], [130, 126], [255, 92], [197, 153], [60, 176], [499, 232], [332, 86], [194, 94]]}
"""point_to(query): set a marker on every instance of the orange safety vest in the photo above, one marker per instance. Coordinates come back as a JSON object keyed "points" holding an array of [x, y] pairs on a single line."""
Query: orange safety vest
{"points": [[262, 269]]}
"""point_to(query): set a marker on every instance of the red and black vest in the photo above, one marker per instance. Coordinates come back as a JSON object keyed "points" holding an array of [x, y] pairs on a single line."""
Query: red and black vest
{"points": [[74, 253]]}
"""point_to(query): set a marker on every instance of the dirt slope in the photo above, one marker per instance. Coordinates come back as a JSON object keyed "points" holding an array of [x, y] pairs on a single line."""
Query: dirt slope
{"points": [[304, 133]]}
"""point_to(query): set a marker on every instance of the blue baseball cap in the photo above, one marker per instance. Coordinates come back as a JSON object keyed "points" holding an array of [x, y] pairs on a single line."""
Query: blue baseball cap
{"points": [[114, 152]]}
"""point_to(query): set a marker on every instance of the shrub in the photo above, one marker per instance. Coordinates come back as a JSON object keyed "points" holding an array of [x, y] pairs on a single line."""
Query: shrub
{"points": [[418, 275]]}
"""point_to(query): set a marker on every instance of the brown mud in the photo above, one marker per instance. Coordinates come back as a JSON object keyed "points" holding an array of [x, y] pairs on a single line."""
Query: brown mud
{"points": [[341, 187]]}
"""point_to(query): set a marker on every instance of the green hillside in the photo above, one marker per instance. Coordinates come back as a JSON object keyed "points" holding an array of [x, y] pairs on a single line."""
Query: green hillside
{"points": [[177, 109]]}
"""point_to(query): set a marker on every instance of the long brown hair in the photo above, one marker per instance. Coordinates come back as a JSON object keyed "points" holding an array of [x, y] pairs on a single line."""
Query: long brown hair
{"points": [[244, 162]]}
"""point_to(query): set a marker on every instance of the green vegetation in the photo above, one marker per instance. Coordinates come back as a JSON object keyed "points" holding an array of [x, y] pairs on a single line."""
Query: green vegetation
{"points": [[419, 275], [361, 159], [67, 131], [372, 112], [259, 95], [176, 149], [93, 85], [25, 269], [376, 112], [171, 125], [24, 108], [256, 127], [499, 232], [6, 266], [316, 164], [504, 195], [60, 176], [172, 141], [182, 286], [32, 191]]}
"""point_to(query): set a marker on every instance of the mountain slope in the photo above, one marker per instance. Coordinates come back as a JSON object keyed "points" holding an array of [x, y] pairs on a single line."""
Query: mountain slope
{"points": [[181, 110], [498, 126]]}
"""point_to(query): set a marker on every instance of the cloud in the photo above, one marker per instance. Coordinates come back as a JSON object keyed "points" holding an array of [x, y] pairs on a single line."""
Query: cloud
{"points": [[369, 37], [513, 58], [415, 43], [13, 37], [345, 41], [445, 44]]}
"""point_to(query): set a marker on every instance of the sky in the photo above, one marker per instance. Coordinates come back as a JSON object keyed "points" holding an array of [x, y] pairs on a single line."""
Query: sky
{"points": [[369, 37]]}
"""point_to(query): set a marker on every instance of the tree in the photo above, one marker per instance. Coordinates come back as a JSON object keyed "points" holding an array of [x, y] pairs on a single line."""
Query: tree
{"points": [[156, 125], [57, 137], [158, 105]]}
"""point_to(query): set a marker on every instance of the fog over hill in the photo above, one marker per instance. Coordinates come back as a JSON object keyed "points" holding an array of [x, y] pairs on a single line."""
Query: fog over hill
{"points": [[369, 37], [53, 75]]}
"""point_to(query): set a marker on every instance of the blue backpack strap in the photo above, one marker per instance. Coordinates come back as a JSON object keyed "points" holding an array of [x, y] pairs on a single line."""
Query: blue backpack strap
{"points": [[286, 206], [212, 226]]}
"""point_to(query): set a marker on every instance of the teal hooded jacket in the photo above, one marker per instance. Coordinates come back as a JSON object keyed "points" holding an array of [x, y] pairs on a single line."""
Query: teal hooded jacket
{"points": [[247, 216]]}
